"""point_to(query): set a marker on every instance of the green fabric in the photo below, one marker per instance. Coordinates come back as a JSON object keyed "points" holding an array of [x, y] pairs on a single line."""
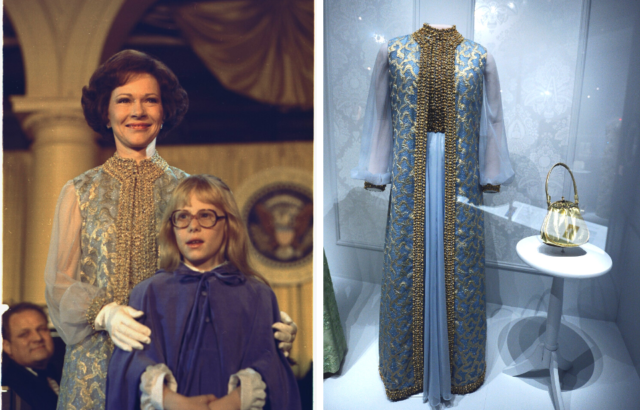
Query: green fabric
{"points": [[335, 344]]}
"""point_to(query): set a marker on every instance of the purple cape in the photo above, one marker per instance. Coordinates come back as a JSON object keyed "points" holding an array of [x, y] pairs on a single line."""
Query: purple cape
{"points": [[204, 327]]}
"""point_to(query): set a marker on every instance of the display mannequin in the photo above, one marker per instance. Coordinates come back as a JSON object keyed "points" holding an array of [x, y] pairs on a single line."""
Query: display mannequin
{"points": [[434, 131]]}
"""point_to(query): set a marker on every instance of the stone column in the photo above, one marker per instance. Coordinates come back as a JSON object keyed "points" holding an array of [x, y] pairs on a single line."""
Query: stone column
{"points": [[15, 176], [63, 147]]}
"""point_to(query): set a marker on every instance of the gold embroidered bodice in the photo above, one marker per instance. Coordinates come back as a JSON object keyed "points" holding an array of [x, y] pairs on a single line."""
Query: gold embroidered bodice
{"points": [[121, 204]]}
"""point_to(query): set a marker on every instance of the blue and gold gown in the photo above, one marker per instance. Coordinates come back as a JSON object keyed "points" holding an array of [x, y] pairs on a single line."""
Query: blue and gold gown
{"points": [[103, 243], [433, 131]]}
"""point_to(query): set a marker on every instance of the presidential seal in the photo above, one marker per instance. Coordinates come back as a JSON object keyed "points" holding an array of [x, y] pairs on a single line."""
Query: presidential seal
{"points": [[277, 206]]}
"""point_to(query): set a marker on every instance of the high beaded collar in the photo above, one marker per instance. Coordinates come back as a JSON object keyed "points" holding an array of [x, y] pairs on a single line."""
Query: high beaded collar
{"points": [[123, 167], [428, 34]]}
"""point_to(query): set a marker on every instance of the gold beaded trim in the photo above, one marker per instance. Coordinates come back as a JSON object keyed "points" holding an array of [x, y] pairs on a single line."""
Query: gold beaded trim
{"points": [[469, 388], [491, 188], [396, 395], [96, 305], [402, 394], [419, 167], [373, 187], [436, 112], [136, 250]]}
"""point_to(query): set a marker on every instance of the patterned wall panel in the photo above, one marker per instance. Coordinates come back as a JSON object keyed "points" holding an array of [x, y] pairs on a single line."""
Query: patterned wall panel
{"points": [[354, 32]]}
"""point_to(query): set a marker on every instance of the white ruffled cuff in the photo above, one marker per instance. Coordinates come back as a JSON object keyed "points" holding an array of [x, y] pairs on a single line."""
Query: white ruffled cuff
{"points": [[252, 394], [152, 385]]}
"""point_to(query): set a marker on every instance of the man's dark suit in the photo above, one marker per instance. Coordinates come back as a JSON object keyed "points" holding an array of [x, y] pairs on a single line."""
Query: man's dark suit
{"points": [[32, 389]]}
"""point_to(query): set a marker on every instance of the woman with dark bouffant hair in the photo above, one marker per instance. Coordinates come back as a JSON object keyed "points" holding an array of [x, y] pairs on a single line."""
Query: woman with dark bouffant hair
{"points": [[104, 237], [117, 71]]}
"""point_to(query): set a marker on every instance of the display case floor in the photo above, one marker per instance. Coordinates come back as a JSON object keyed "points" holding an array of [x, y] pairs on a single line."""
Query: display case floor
{"points": [[602, 376]]}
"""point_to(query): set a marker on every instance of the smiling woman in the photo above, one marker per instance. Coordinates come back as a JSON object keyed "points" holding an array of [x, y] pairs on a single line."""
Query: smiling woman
{"points": [[103, 241], [131, 75], [104, 233], [136, 116]]}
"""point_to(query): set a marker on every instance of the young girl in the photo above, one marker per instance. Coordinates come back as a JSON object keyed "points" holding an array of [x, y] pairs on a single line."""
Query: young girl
{"points": [[210, 316]]}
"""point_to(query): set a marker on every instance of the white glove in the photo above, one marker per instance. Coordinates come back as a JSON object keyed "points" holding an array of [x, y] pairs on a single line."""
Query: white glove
{"points": [[286, 333], [252, 389], [124, 330]]}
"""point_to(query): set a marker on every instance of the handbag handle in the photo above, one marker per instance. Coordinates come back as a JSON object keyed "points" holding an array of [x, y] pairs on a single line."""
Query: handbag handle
{"points": [[546, 184]]}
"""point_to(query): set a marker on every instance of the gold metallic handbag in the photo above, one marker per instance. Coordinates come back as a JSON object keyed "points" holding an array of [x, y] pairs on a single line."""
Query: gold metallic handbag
{"points": [[563, 226]]}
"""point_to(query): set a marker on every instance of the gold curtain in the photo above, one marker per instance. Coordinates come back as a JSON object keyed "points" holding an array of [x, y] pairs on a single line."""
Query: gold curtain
{"points": [[259, 48]]}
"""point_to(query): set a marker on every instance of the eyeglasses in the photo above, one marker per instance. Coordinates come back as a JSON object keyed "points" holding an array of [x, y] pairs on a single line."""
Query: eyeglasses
{"points": [[207, 218]]}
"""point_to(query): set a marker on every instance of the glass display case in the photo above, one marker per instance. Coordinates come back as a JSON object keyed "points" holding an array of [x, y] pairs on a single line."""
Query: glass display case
{"points": [[570, 92]]}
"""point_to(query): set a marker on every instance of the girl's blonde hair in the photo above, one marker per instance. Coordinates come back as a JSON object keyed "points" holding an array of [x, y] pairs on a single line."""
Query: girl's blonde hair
{"points": [[211, 190]]}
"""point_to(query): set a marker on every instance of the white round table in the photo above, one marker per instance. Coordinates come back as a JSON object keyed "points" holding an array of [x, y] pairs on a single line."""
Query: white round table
{"points": [[584, 262]]}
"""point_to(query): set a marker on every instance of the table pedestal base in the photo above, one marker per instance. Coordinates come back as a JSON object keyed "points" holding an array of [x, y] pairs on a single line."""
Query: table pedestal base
{"points": [[537, 357], [544, 354], [586, 261]]}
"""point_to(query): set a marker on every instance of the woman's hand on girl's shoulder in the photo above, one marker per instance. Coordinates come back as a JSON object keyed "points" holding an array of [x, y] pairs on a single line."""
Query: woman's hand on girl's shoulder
{"points": [[286, 332]]}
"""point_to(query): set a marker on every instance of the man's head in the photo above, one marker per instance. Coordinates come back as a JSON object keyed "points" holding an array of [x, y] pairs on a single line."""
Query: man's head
{"points": [[27, 339]]}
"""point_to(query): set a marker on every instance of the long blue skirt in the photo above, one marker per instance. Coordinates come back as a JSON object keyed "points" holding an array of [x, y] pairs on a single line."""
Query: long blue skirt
{"points": [[437, 373]]}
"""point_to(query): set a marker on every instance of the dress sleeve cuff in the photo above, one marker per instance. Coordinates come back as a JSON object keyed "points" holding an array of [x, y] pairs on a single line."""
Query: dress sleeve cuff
{"points": [[375, 188], [377, 179], [252, 394], [491, 188], [96, 306], [152, 385]]}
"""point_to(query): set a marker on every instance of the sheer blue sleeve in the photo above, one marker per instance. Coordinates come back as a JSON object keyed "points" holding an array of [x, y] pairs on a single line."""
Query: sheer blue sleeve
{"points": [[495, 166], [374, 165], [67, 296]]}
